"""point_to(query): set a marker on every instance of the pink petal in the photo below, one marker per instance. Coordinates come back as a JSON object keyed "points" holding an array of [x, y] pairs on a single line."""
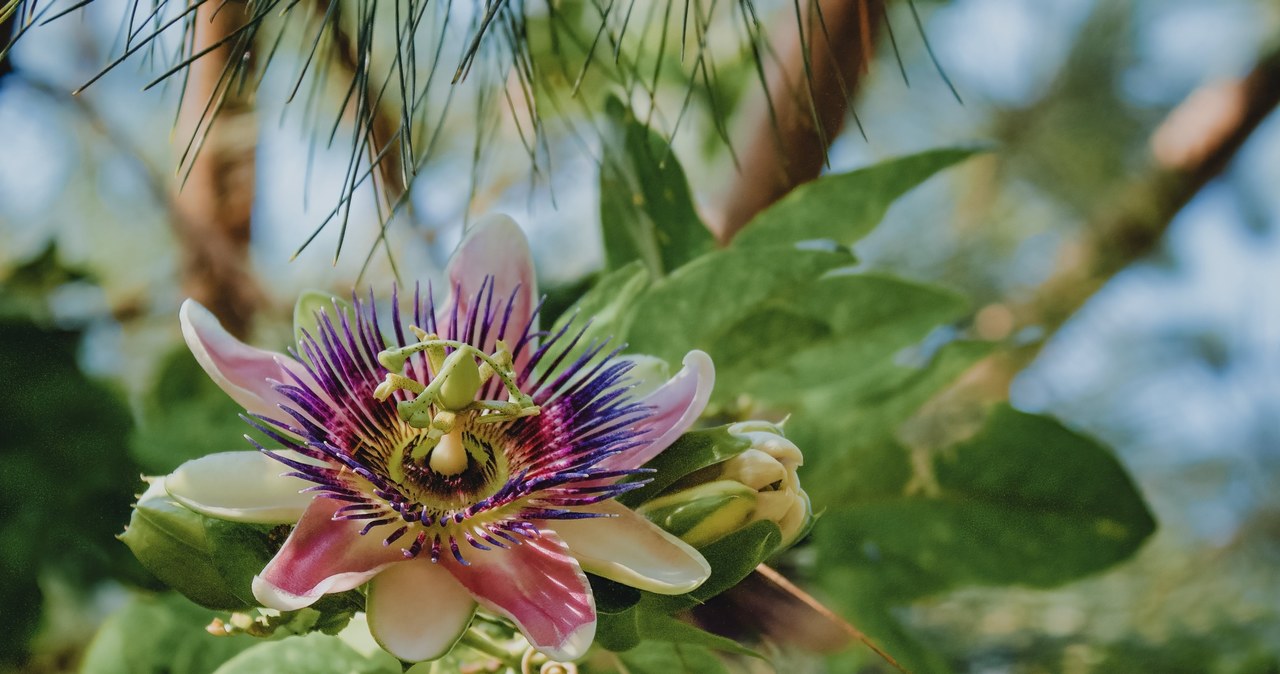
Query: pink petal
{"points": [[239, 369], [417, 610], [322, 556], [677, 405], [495, 246], [632, 550], [540, 587]]}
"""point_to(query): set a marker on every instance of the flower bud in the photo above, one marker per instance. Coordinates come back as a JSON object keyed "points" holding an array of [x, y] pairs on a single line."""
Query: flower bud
{"points": [[756, 483], [769, 467], [170, 541]]}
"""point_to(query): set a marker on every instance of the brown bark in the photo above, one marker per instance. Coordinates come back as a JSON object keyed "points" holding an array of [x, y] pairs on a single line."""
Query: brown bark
{"points": [[789, 146], [215, 203]]}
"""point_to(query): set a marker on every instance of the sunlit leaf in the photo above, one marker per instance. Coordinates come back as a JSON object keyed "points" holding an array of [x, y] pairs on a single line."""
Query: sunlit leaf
{"points": [[1025, 501], [311, 654], [844, 207], [646, 210], [703, 302]]}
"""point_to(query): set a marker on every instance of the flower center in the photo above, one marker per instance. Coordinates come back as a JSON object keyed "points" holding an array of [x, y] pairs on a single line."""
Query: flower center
{"points": [[465, 466]]}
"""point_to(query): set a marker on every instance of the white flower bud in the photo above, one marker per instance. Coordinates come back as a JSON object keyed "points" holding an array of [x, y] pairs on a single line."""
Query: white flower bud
{"points": [[769, 467]]}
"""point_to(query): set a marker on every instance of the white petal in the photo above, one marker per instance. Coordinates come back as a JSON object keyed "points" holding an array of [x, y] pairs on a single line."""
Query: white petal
{"points": [[243, 486], [632, 550], [417, 611]]}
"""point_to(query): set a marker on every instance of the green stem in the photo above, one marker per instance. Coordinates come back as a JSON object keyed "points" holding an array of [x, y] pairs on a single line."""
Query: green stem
{"points": [[479, 641]]}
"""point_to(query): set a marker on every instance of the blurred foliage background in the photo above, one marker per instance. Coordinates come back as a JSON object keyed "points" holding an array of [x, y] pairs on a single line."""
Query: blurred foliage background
{"points": [[1127, 282]]}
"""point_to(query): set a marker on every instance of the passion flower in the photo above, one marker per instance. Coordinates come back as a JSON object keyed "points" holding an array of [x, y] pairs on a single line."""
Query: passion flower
{"points": [[463, 458]]}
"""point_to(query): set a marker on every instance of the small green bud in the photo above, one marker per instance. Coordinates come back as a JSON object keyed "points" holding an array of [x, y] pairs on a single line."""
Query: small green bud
{"points": [[701, 514], [461, 381], [170, 541], [747, 474]]}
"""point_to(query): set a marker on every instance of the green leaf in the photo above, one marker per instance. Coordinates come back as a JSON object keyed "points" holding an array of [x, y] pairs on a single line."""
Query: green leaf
{"points": [[606, 305], [1025, 501], [661, 627], [705, 301], [656, 657], [851, 324], [646, 209], [693, 451], [849, 436], [314, 653], [161, 634], [844, 207]]}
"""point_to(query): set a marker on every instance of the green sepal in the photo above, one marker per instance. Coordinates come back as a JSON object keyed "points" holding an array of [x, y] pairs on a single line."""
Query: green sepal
{"points": [[703, 513], [170, 541]]}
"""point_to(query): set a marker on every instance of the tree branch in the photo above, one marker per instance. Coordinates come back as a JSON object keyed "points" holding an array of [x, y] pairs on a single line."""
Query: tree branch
{"points": [[216, 200], [809, 95], [1194, 144]]}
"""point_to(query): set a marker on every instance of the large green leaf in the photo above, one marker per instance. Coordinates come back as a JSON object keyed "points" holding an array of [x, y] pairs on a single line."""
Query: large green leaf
{"points": [[849, 438], [659, 657], [844, 207], [314, 653], [703, 302], [646, 209], [836, 337], [162, 635], [1025, 501]]}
